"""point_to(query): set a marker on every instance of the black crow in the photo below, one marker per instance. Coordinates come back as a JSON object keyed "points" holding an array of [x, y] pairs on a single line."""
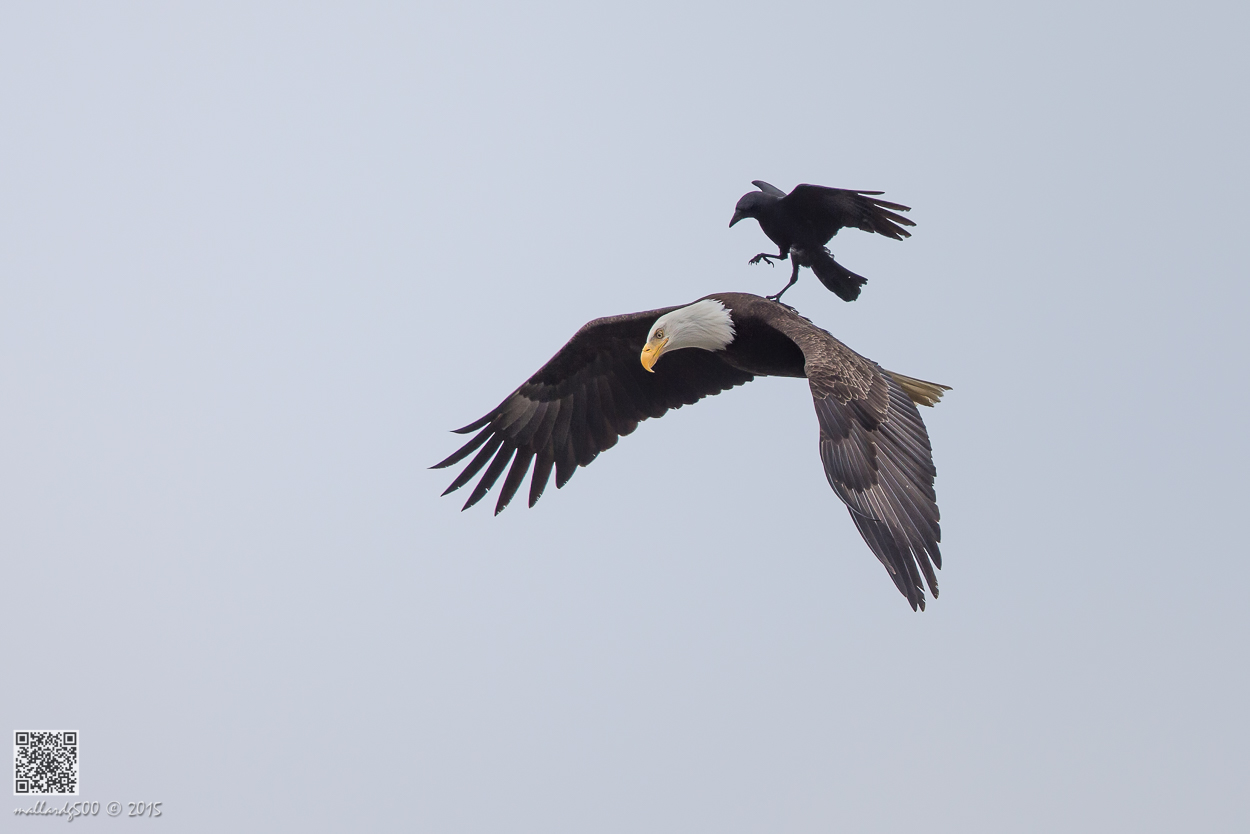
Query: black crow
{"points": [[803, 221]]}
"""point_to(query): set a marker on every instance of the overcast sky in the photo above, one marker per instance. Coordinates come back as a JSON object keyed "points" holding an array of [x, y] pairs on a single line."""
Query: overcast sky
{"points": [[257, 258]]}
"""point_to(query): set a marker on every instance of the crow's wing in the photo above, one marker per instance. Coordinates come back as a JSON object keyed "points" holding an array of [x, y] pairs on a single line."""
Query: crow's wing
{"points": [[822, 211], [768, 188]]}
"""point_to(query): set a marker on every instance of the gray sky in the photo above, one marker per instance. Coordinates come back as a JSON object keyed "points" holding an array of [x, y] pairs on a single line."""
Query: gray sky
{"points": [[256, 260]]}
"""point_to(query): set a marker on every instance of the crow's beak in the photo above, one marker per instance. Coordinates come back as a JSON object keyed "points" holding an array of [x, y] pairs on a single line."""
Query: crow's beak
{"points": [[737, 216]]}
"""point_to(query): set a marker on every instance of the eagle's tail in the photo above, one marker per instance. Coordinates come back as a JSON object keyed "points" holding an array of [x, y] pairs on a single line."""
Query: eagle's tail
{"points": [[921, 392]]}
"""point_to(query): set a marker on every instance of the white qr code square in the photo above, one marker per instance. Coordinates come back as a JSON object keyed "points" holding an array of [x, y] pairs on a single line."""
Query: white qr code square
{"points": [[45, 762]]}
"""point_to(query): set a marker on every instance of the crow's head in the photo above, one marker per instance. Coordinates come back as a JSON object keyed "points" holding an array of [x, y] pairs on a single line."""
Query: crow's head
{"points": [[752, 204]]}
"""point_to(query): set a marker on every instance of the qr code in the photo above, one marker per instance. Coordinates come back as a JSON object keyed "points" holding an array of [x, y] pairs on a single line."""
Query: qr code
{"points": [[45, 762]]}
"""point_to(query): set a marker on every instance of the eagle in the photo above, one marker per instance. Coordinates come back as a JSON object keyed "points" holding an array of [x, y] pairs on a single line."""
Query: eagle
{"points": [[803, 221], [608, 378]]}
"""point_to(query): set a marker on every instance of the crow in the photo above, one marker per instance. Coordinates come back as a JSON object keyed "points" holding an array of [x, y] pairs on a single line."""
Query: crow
{"points": [[803, 221]]}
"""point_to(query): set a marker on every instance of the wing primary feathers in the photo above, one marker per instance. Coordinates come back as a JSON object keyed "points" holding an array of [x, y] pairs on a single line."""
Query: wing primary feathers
{"points": [[542, 434], [902, 557], [516, 474], [886, 204], [561, 430], [475, 425], [512, 415], [914, 510], [603, 419], [579, 432], [538, 482], [911, 458], [883, 547], [923, 542], [525, 431], [608, 411], [596, 433], [476, 464], [566, 453], [627, 416], [464, 451], [491, 475]]}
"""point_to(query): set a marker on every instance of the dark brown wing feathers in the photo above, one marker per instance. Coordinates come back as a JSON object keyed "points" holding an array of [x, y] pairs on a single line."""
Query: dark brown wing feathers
{"points": [[885, 475], [590, 394], [873, 443], [876, 455]]}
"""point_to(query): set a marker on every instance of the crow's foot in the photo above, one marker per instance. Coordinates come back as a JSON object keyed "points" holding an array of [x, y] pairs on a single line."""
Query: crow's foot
{"points": [[794, 279]]}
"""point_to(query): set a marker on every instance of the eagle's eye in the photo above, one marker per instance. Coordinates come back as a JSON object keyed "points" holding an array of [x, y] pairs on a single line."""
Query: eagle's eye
{"points": [[659, 334]]}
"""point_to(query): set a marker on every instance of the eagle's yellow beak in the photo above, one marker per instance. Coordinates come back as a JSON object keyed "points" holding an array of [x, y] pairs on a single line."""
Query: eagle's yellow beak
{"points": [[652, 352]]}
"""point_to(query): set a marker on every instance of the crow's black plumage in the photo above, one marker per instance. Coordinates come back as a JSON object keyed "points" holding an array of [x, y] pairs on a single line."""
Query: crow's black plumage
{"points": [[803, 221]]}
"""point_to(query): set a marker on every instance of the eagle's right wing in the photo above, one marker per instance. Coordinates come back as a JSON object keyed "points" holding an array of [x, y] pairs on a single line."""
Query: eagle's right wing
{"points": [[591, 393]]}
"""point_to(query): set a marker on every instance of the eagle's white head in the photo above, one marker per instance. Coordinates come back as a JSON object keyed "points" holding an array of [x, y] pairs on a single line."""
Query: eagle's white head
{"points": [[704, 324]]}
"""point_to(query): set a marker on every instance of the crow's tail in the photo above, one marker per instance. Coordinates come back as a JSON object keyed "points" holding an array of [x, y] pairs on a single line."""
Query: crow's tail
{"points": [[834, 276]]}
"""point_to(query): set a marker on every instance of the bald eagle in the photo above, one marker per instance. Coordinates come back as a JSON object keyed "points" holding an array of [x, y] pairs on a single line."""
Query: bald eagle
{"points": [[608, 378], [803, 221]]}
